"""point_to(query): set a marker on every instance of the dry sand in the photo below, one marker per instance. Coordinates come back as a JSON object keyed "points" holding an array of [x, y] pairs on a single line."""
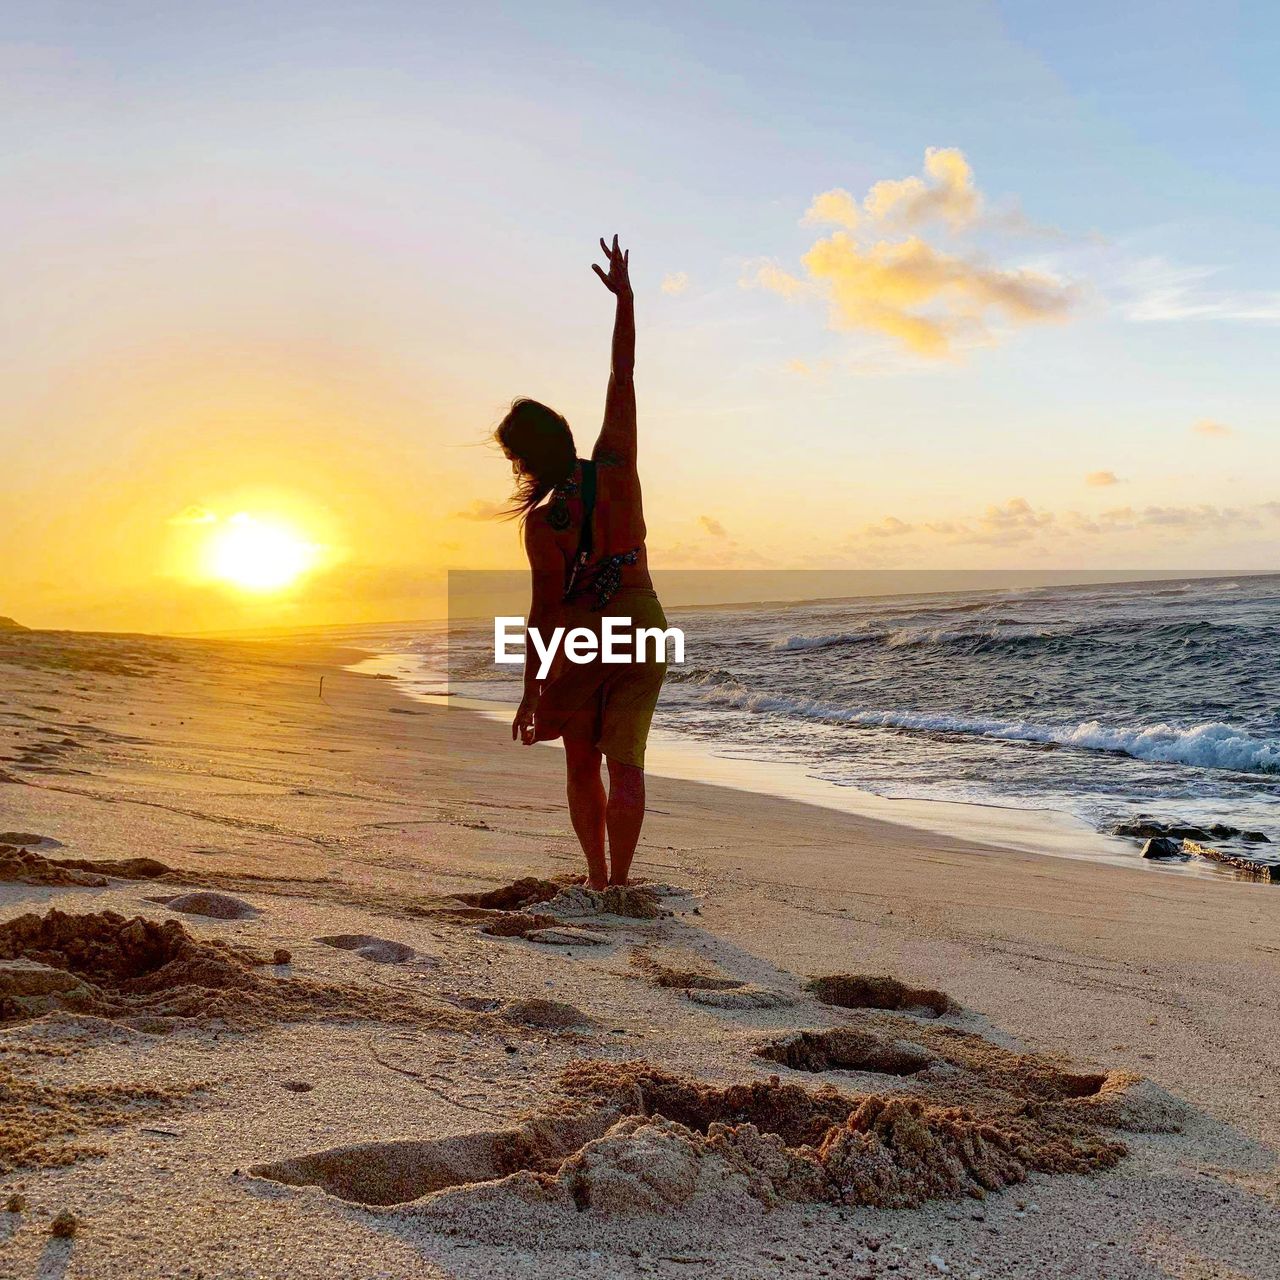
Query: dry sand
{"points": [[326, 998]]}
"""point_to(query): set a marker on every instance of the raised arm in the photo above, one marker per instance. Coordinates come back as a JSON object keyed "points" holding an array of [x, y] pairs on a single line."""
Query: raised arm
{"points": [[617, 441]]}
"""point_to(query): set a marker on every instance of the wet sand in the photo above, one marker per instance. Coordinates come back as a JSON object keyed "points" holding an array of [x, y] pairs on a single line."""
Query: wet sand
{"points": [[1093, 1095]]}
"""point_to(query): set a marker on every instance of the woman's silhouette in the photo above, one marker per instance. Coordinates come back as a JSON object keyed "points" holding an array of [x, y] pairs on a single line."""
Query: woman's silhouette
{"points": [[584, 569]]}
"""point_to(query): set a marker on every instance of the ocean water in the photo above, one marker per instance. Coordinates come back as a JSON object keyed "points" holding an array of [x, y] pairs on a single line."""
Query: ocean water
{"points": [[1100, 701]]}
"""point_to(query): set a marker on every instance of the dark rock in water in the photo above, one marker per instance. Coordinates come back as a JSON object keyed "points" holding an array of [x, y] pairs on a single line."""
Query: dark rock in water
{"points": [[1163, 847], [1255, 867], [1144, 828], [1148, 829], [1140, 829]]}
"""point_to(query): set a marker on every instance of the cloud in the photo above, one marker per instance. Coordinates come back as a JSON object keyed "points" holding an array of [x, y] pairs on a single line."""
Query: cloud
{"points": [[946, 193], [1017, 523], [481, 510], [766, 274], [1213, 430], [923, 298], [713, 527], [1014, 521], [836, 207], [889, 527], [675, 283], [1101, 479]]}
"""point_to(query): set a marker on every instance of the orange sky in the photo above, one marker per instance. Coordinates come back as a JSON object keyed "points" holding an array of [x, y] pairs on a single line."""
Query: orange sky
{"points": [[270, 270]]}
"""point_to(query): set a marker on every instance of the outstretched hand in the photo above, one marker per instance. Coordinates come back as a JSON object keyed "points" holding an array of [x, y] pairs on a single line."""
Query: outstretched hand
{"points": [[617, 280]]}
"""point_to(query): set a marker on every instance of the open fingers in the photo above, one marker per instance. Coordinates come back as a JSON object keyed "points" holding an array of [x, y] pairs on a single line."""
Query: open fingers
{"points": [[601, 274]]}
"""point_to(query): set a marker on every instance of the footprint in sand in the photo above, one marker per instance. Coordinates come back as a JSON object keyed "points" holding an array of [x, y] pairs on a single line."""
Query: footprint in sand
{"points": [[217, 906], [844, 1049], [866, 991], [715, 990], [379, 950], [746, 996], [25, 839], [565, 936]]}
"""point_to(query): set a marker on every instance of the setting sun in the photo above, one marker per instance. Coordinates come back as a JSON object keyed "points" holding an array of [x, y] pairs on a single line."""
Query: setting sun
{"points": [[258, 554]]}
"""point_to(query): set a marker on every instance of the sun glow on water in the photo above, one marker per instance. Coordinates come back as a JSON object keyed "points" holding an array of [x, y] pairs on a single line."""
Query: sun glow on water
{"points": [[258, 554]]}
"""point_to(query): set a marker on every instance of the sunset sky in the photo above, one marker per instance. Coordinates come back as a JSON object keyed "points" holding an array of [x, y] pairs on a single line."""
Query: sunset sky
{"points": [[918, 285]]}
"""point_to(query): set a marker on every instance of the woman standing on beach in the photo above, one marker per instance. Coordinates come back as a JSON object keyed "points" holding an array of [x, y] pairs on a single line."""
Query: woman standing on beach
{"points": [[584, 536]]}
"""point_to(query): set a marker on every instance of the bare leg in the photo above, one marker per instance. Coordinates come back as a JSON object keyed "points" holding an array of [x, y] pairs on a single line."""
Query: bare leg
{"points": [[587, 806], [624, 816]]}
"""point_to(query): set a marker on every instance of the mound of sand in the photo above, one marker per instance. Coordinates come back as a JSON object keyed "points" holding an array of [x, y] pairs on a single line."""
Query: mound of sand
{"points": [[148, 970], [634, 902], [651, 1142], [864, 1149], [844, 1049], [21, 866], [866, 991], [379, 950], [548, 1015], [217, 906]]}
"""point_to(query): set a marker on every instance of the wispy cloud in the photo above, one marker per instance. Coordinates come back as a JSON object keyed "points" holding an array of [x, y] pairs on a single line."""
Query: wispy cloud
{"points": [[1155, 291], [1017, 523], [713, 526], [675, 283], [1101, 479], [1211, 429]]}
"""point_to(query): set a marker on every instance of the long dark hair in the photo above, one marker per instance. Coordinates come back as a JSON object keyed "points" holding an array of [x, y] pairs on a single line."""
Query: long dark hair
{"points": [[538, 440]]}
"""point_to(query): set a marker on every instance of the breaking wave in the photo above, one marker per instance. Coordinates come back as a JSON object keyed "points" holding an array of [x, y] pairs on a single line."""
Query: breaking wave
{"points": [[1204, 746]]}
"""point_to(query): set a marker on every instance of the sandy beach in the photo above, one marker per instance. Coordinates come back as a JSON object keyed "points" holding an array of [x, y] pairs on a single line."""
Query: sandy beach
{"points": [[337, 1051]]}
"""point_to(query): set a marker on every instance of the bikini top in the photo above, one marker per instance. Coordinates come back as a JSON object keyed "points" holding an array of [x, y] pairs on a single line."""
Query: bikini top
{"points": [[603, 581]]}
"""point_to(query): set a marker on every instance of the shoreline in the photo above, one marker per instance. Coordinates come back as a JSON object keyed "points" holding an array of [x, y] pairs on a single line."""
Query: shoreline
{"points": [[1044, 831]]}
